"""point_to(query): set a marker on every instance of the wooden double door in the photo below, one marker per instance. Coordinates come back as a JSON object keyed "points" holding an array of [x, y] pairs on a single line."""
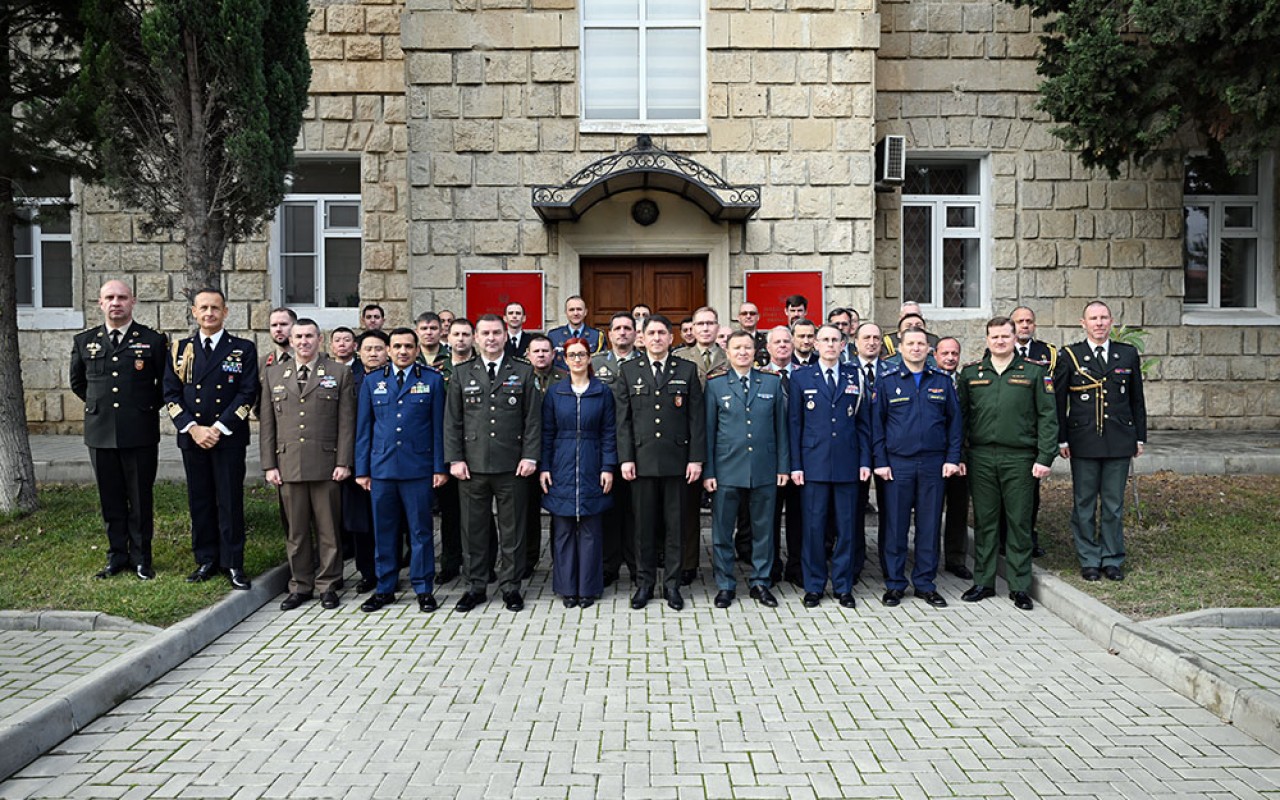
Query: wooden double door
{"points": [[671, 286]]}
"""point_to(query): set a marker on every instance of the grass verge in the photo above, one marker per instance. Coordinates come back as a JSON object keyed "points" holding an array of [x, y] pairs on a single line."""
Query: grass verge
{"points": [[48, 559], [1205, 541]]}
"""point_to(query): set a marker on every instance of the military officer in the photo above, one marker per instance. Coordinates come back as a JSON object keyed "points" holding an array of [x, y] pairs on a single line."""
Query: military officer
{"points": [[357, 509], [867, 341], [619, 519], [493, 437], [1102, 423], [117, 369], [789, 502], [1011, 427], [662, 444], [575, 310], [280, 327], [955, 529], [749, 321], [916, 435], [830, 455], [748, 457], [541, 356], [210, 386], [517, 337], [1046, 355], [307, 444], [400, 461]]}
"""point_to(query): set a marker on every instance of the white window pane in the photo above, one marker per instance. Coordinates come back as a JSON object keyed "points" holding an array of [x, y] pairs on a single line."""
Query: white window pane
{"points": [[960, 269], [299, 280], [917, 253], [341, 273], [612, 70], [55, 274], [673, 74], [673, 9], [343, 214], [26, 288], [1196, 254], [1239, 270], [610, 9], [299, 228]]}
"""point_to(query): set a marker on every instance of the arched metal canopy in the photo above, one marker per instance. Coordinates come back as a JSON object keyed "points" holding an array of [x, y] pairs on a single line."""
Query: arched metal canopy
{"points": [[646, 167]]}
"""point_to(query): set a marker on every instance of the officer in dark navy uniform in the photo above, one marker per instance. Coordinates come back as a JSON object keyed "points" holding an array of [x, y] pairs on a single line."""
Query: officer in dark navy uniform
{"points": [[916, 438], [575, 308], [210, 386], [117, 369], [400, 460]]}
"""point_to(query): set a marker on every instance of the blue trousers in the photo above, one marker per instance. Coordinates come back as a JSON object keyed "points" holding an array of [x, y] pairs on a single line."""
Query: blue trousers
{"points": [[821, 500], [412, 498], [577, 557], [724, 519], [917, 485]]}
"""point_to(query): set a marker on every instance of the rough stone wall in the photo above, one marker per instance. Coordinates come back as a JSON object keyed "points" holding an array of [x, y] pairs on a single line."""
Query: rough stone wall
{"points": [[790, 105], [959, 76], [356, 108]]}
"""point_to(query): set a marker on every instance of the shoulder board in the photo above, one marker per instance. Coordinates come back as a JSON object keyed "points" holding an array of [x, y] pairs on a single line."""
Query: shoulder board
{"points": [[429, 368], [518, 360]]}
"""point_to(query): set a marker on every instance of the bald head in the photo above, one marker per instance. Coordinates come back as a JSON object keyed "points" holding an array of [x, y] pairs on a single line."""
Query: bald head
{"points": [[116, 300]]}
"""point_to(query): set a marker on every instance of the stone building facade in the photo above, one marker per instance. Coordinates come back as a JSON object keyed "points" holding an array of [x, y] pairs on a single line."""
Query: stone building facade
{"points": [[452, 111]]}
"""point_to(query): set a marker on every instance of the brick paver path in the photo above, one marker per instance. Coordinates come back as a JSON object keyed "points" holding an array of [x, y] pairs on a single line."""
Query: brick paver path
{"points": [[34, 664], [1249, 653]]}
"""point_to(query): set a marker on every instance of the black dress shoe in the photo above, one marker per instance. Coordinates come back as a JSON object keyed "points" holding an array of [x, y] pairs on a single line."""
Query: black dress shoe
{"points": [[202, 573], [294, 600], [239, 580], [960, 571], [763, 596], [366, 585], [427, 602], [1038, 552], [688, 576], [377, 601], [586, 602], [1113, 573], [1022, 600], [1091, 573], [145, 573], [845, 599], [470, 600], [642, 597], [610, 577], [329, 600], [892, 597], [812, 599], [674, 601], [447, 575], [724, 598], [932, 598], [975, 593], [512, 600], [570, 601], [110, 571]]}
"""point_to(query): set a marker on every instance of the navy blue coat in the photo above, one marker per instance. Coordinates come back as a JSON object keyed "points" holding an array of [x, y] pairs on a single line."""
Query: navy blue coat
{"points": [[910, 421], [579, 441], [830, 436], [400, 430], [203, 391]]}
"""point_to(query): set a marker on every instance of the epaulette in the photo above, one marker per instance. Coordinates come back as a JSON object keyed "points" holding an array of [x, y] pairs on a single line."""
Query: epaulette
{"points": [[972, 363], [431, 367], [519, 360]]}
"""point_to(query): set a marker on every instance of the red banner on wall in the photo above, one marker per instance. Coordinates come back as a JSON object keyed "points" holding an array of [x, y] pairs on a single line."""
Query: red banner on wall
{"points": [[489, 292], [769, 289]]}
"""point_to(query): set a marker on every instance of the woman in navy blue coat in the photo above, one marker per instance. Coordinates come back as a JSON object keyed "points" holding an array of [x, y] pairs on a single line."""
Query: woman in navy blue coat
{"points": [[579, 454]]}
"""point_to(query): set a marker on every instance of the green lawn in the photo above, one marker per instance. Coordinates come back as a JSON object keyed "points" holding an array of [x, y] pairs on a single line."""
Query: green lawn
{"points": [[1204, 542], [48, 559]]}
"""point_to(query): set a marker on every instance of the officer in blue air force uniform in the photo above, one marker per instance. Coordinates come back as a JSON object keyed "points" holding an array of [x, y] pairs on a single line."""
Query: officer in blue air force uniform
{"points": [[210, 385], [916, 436], [400, 459], [830, 455], [748, 457]]}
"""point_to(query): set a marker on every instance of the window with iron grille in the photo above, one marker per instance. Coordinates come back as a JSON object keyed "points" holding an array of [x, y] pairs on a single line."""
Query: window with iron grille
{"points": [[943, 232]]}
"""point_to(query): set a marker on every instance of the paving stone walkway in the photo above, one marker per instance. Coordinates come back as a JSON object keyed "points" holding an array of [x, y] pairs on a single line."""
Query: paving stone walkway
{"points": [[1249, 653], [34, 664], [970, 701]]}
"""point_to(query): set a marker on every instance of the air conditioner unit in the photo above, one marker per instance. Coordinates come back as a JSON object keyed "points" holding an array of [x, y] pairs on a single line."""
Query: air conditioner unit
{"points": [[891, 161]]}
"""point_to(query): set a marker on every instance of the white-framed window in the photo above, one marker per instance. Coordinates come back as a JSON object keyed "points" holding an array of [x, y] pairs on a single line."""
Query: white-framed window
{"points": [[316, 239], [45, 267], [944, 234], [643, 62], [1228, 235]]}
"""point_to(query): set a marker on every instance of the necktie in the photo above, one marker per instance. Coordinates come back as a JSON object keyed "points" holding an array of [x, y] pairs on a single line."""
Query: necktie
{"points": [[831, 382], [706, 358], [303, 371], [745, 385], [1097, 353], [400, 379], [657, 371], [115, 338], [208, 347], [870, 373], [1022, 351], [493, 371]]}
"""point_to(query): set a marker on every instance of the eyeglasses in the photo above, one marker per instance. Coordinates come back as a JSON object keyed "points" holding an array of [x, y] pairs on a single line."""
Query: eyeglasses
{"points": [[748, 313], [576, 356]]}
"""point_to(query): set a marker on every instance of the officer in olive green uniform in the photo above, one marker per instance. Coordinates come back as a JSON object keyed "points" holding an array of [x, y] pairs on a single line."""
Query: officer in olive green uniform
{"points": [[1011, 428]]}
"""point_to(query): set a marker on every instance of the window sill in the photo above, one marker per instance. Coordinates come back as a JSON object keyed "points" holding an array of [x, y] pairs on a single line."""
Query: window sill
{"points": [[953, 314], [50, 319], [330, 318], [1238, 317], [636, 127]]}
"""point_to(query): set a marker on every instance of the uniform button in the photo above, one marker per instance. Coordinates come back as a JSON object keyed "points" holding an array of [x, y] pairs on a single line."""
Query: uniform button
{"points": [[399, 430], [217, 399], [302, 427], [302, 439], [493, 433], [748, 436], [197, 399], [115, 374], [397, 443], [657, 435], [748, 449], [748, 422], [115, 405], [657, 420], [115, 358], [197, 387], [833, 434], [115, 388], [657, 406], [302, 413], [302, 399], [219, 386]]}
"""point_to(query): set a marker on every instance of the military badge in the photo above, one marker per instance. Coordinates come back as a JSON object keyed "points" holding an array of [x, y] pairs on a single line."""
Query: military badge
{"points": [[94, 348], [810, 405], [140, 365], [511, 401], [679, 400]]}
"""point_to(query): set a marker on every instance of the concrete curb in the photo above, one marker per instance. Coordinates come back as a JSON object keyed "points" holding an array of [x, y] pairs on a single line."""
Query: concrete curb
{"points": [[39, 728], [70, 621], [1253, 710]]}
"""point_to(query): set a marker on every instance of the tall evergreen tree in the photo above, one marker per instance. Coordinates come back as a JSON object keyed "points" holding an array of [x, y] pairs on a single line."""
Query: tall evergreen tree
{"points": [[1142, 78], [199, 103]]}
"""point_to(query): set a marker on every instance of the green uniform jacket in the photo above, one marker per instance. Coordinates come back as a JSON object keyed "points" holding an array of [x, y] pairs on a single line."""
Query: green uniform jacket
{"points": [[1016, 409], [492, 426]]}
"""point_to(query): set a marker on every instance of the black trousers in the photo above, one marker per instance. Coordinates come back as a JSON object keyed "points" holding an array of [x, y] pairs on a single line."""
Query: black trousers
{"points": [[864, 496], [657, 500], [215, 495], [619, 530], [357, 527], [126, 476], [790, 507], [450, 528]]}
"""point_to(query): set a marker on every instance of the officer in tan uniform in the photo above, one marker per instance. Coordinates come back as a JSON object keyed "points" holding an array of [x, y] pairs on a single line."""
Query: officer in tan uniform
{"points": [[307, 444]]}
